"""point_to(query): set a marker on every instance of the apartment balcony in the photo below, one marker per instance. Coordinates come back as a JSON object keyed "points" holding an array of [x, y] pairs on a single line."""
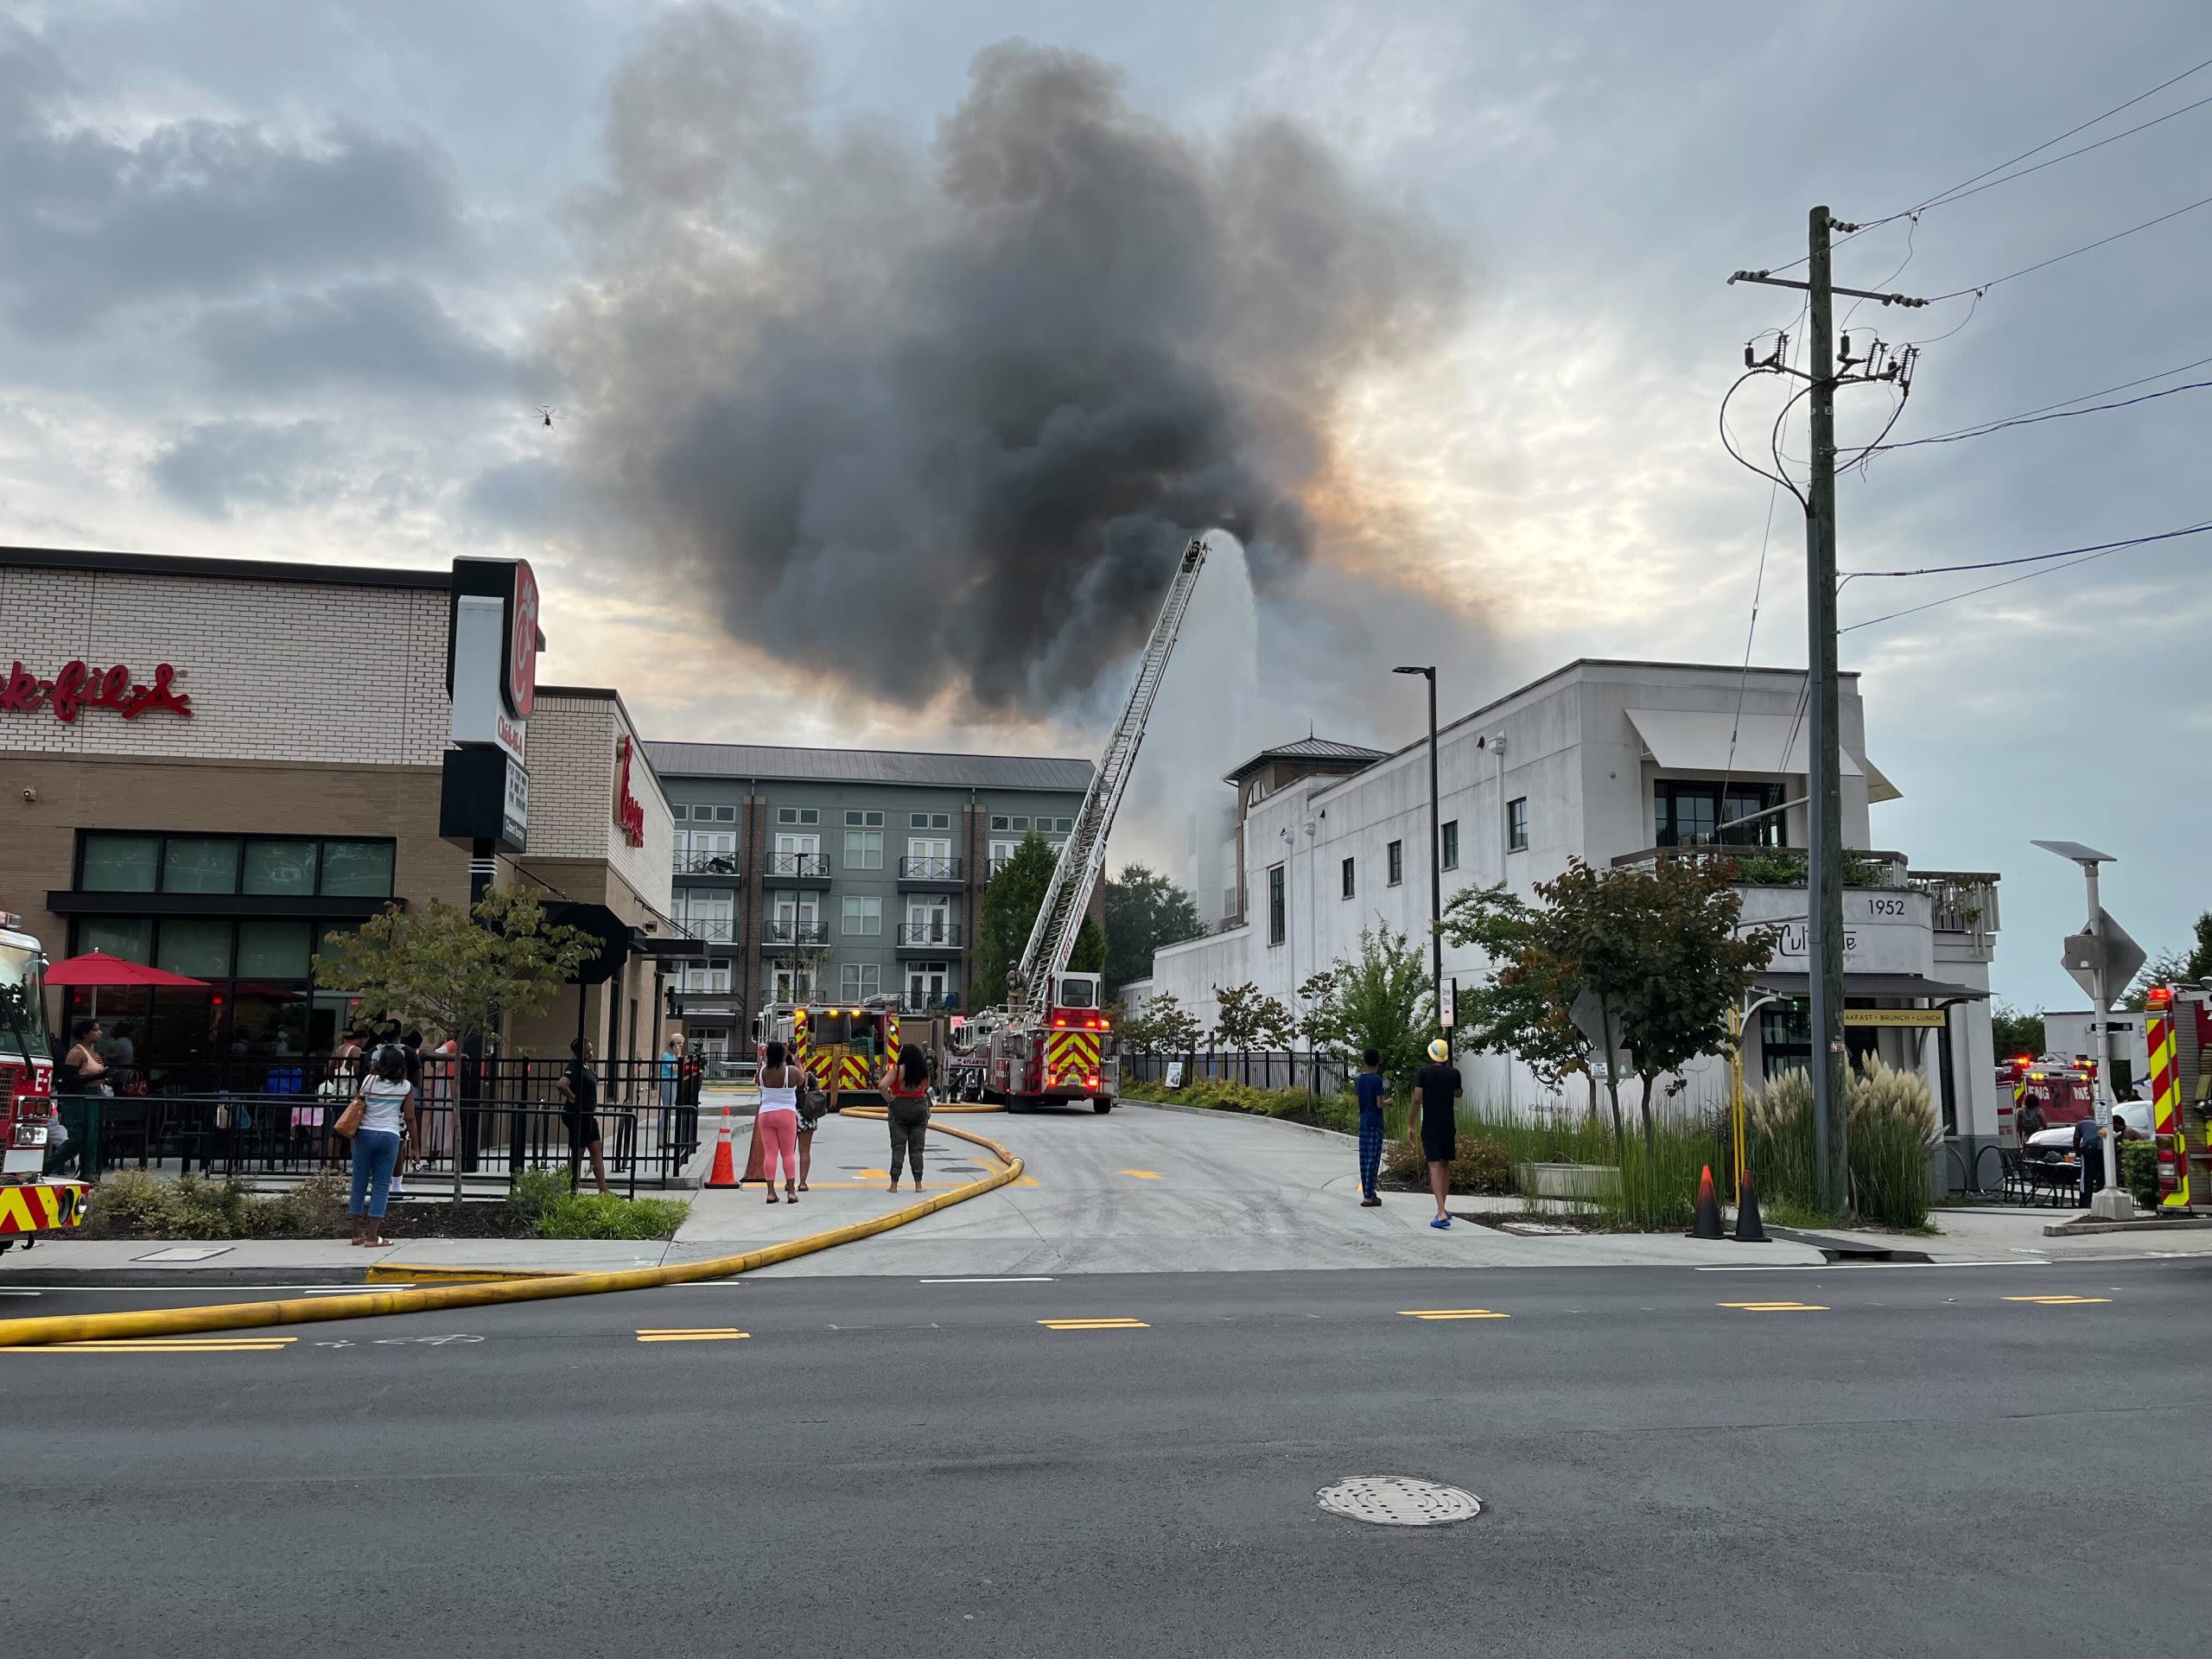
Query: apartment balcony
{"points": [[810, 870], [724, 865], [781, 933], [923, 874], [927, 939], [717, 931]]}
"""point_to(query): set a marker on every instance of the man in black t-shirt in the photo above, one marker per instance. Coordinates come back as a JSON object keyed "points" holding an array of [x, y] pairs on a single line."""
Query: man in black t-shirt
{"points": [[1435, 1121], [578, 1085]]}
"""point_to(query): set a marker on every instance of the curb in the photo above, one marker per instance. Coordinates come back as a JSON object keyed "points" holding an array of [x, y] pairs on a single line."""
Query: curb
{"points": [[238, 1316], [177, 1278], [1846, 1250], [2147, 1225], [1337, 1135]]}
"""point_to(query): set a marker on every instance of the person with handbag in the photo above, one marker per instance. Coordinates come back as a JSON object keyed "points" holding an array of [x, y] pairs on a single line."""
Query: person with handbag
{"points": [[380, 1120], [777, 1121], [906, 1087]]}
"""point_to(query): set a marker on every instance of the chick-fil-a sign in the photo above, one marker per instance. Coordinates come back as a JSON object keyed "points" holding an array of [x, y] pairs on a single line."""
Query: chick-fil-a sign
{"points": [[79, 686]]}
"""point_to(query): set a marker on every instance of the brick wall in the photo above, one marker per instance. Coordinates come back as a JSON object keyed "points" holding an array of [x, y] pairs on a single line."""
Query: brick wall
{"points": [[276, 670], [572, 794]]}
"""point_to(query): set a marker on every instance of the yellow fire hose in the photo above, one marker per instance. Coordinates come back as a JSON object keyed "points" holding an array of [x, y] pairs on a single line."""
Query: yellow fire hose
{"points": [[238, 1316]]}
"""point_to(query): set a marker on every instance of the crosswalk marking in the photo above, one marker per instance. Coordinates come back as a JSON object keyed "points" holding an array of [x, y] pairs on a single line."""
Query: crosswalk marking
{"points": [[1450, 1313], [2059, 1301], [1094, 1324], [706, 1333]]}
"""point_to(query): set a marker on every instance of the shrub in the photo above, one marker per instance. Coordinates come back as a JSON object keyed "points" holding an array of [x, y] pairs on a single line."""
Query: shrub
{"points": [[1891, 1124], [314, 1208], [204, 1209], [603, 1215], [132, 1202], [1483, 1165], [536, 1191], [2139, 1172]]}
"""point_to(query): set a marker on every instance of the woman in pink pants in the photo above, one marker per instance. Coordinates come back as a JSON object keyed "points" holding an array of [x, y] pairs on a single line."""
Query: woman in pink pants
{"points": [[778, 1123]]}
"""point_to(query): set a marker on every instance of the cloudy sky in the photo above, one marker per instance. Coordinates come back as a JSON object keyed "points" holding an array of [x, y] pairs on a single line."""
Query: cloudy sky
{"points": [[1426, 301]]}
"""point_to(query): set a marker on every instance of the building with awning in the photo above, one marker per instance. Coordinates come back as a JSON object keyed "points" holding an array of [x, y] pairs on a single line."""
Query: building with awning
{"points": [[1613, 762]]}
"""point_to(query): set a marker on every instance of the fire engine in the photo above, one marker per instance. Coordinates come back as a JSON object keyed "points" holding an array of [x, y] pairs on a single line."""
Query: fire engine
{"points": [[30, 1201], [1053, 1041], [2044, 1095], [2177, 1029]]}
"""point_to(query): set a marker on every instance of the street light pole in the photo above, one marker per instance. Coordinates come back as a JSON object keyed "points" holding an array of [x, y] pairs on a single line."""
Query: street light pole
{"points": [[1435, 857]]}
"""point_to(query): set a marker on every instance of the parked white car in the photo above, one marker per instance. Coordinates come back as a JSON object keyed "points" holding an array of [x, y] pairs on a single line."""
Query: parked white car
{"points": [[2055, 1146]]}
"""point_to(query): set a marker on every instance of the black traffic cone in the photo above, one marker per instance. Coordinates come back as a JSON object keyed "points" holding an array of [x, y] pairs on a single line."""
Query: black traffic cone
{"points": [[1708, 1209], [1749, 1229]]}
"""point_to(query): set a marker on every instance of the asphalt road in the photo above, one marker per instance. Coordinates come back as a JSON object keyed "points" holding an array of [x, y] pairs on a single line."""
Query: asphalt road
{"points": [[1912, 1462]]}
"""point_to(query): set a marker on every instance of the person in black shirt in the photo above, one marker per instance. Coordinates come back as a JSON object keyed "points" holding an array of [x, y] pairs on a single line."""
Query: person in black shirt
{"points": [[579, 1086], [1435, 1121]]}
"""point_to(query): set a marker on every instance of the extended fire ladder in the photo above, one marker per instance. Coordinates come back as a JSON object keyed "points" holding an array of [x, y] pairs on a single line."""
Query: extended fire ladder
{"points": [[1030, 989]]}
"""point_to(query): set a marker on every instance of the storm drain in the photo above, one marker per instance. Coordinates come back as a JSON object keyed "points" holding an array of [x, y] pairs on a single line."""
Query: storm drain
{"points": [[1399, 1501]]}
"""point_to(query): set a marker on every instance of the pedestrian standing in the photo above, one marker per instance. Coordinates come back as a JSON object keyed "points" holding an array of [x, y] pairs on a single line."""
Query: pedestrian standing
{"points": [[1435, 1121], [671, 1068], [1372, 1092], [388, 1122], [2089, 1148], [906, 1088], [777, 1121], [578, 1085], [82, 1071]]}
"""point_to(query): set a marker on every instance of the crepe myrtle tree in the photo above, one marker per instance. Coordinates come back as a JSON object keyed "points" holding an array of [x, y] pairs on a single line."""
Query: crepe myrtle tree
{"points": [[1250, 1018]]}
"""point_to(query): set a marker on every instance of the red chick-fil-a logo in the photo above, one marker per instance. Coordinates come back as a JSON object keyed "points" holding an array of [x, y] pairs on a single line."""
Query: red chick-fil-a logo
{"points": [[629, 812], [79, 686]]}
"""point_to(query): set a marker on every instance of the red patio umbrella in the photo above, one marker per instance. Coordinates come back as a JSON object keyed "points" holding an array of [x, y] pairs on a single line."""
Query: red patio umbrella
{"points": [[96, 969]]}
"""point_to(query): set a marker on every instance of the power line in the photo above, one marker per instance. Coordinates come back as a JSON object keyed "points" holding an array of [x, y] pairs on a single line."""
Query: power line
{"points": [[1984, 431], [2039, 558], [2084, 557], [1948, 197], [2068, 403], [1979, 289], [1758, 583]]}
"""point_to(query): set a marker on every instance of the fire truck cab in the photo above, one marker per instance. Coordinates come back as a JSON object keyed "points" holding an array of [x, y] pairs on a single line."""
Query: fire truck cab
{"points": [[1070, 1056], [31, 1201]]}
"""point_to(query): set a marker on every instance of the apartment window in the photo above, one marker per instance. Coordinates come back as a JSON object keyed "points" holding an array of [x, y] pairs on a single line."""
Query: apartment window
{"points": [[1062, 826], [679, 813], [1396, 861], [796, 918], [864, 848], [797, 815], [707, 852], [929, 820], [929, 921], [865, 820], [1516, 825], [1351, 878], [929, 858], [722, 814], [710, 979], [863, 917], [1451, 841], [1700, 815], [1016, 825], [926, 983], [861, 979], [1002, 851], [795, 984], [706, 912], [1277, 912]]}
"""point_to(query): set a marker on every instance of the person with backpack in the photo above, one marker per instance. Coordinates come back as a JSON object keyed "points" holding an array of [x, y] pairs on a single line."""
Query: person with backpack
{"points": [[906, 1087]]}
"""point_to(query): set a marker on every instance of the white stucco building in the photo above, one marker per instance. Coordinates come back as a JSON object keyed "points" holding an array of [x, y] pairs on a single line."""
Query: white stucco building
{"points": [[1606, 762]]}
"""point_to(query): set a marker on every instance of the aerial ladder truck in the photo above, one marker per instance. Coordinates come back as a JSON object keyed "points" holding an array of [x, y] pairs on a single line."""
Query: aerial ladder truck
{"points": [[1053, 1040]]}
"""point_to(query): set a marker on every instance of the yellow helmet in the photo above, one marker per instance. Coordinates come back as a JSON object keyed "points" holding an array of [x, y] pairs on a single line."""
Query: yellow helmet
{"points": [[1439, 1051]]}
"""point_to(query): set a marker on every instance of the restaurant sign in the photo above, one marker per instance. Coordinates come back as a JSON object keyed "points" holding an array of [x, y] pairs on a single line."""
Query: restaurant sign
{"points": [[79, 686], [629, 811]]}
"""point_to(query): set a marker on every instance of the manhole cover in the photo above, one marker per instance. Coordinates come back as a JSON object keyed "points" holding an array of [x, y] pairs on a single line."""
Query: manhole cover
{"points": [[1400, 1501]]}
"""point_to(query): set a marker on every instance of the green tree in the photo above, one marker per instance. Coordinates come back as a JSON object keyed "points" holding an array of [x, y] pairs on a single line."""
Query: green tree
{"points": [[1382, 1001], [1521, 1007], [1144, 910], [1088, 955], [1250, 1018], [2015, 1032], [2174, 967], [1008, 911], [1162, 1026]]}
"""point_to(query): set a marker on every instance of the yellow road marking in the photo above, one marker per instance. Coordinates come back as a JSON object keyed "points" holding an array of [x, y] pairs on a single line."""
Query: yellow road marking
{"points": [[1450, 1313], [1777, 1308], [2059, 1301], [707, 1333], [1094, 1324], [170, 1345], [1141, 1174]]}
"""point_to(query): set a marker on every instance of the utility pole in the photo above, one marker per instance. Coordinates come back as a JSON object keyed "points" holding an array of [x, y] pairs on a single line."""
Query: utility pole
{"points": [[1824, 780]]}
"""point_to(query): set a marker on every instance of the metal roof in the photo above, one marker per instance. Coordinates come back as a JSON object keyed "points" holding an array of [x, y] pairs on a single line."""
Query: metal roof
{"points": [[1327, 749], [870, 767]]}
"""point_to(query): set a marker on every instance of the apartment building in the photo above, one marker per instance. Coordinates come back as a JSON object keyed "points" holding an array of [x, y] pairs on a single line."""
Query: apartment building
{"points": [[841, 874]]}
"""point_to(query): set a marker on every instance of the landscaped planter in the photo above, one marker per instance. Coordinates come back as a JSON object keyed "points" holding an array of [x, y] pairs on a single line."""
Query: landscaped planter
{"points": [[1585, 1183]]}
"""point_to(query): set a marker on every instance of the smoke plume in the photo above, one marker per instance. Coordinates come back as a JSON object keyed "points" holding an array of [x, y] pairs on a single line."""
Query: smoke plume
{"points": [[938, 421]]}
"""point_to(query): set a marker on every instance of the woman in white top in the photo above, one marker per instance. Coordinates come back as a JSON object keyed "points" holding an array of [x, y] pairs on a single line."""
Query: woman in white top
{"points": [[776, 1126], [387, 1120]]}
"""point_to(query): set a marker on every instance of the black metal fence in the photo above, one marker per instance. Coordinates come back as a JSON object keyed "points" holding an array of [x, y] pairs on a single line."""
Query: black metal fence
{"points": [[1295, 1070], [496, 1116]]}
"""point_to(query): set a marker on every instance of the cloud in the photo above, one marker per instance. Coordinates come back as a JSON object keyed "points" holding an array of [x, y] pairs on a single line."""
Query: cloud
{"points": [[225, 463], [195, 207], [388, 333], [981, 396]]}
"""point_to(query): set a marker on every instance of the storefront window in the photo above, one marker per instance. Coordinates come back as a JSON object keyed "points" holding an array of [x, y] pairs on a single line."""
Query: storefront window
{"points": [[357, 869], [273, 951], [200, 864], [201, 948], [121, 863], [285, 867], [269, 1019], [131, 937]]}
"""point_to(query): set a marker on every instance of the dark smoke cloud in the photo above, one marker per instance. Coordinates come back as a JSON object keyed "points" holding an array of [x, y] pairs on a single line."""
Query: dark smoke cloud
{"points": [[940, 422]]}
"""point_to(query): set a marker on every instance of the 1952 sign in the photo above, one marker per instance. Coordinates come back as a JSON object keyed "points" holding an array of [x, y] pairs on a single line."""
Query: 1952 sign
{"points": [[79, 686]]}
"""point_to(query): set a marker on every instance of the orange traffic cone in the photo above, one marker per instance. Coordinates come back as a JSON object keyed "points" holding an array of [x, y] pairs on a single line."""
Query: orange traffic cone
{"points": [[1708, 1209], [1750, 1230], [724, 1172]]}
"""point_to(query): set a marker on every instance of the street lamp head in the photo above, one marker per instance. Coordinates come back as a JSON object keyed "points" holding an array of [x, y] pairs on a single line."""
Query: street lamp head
{"points": [[1429, 670], [2076, 851]]}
